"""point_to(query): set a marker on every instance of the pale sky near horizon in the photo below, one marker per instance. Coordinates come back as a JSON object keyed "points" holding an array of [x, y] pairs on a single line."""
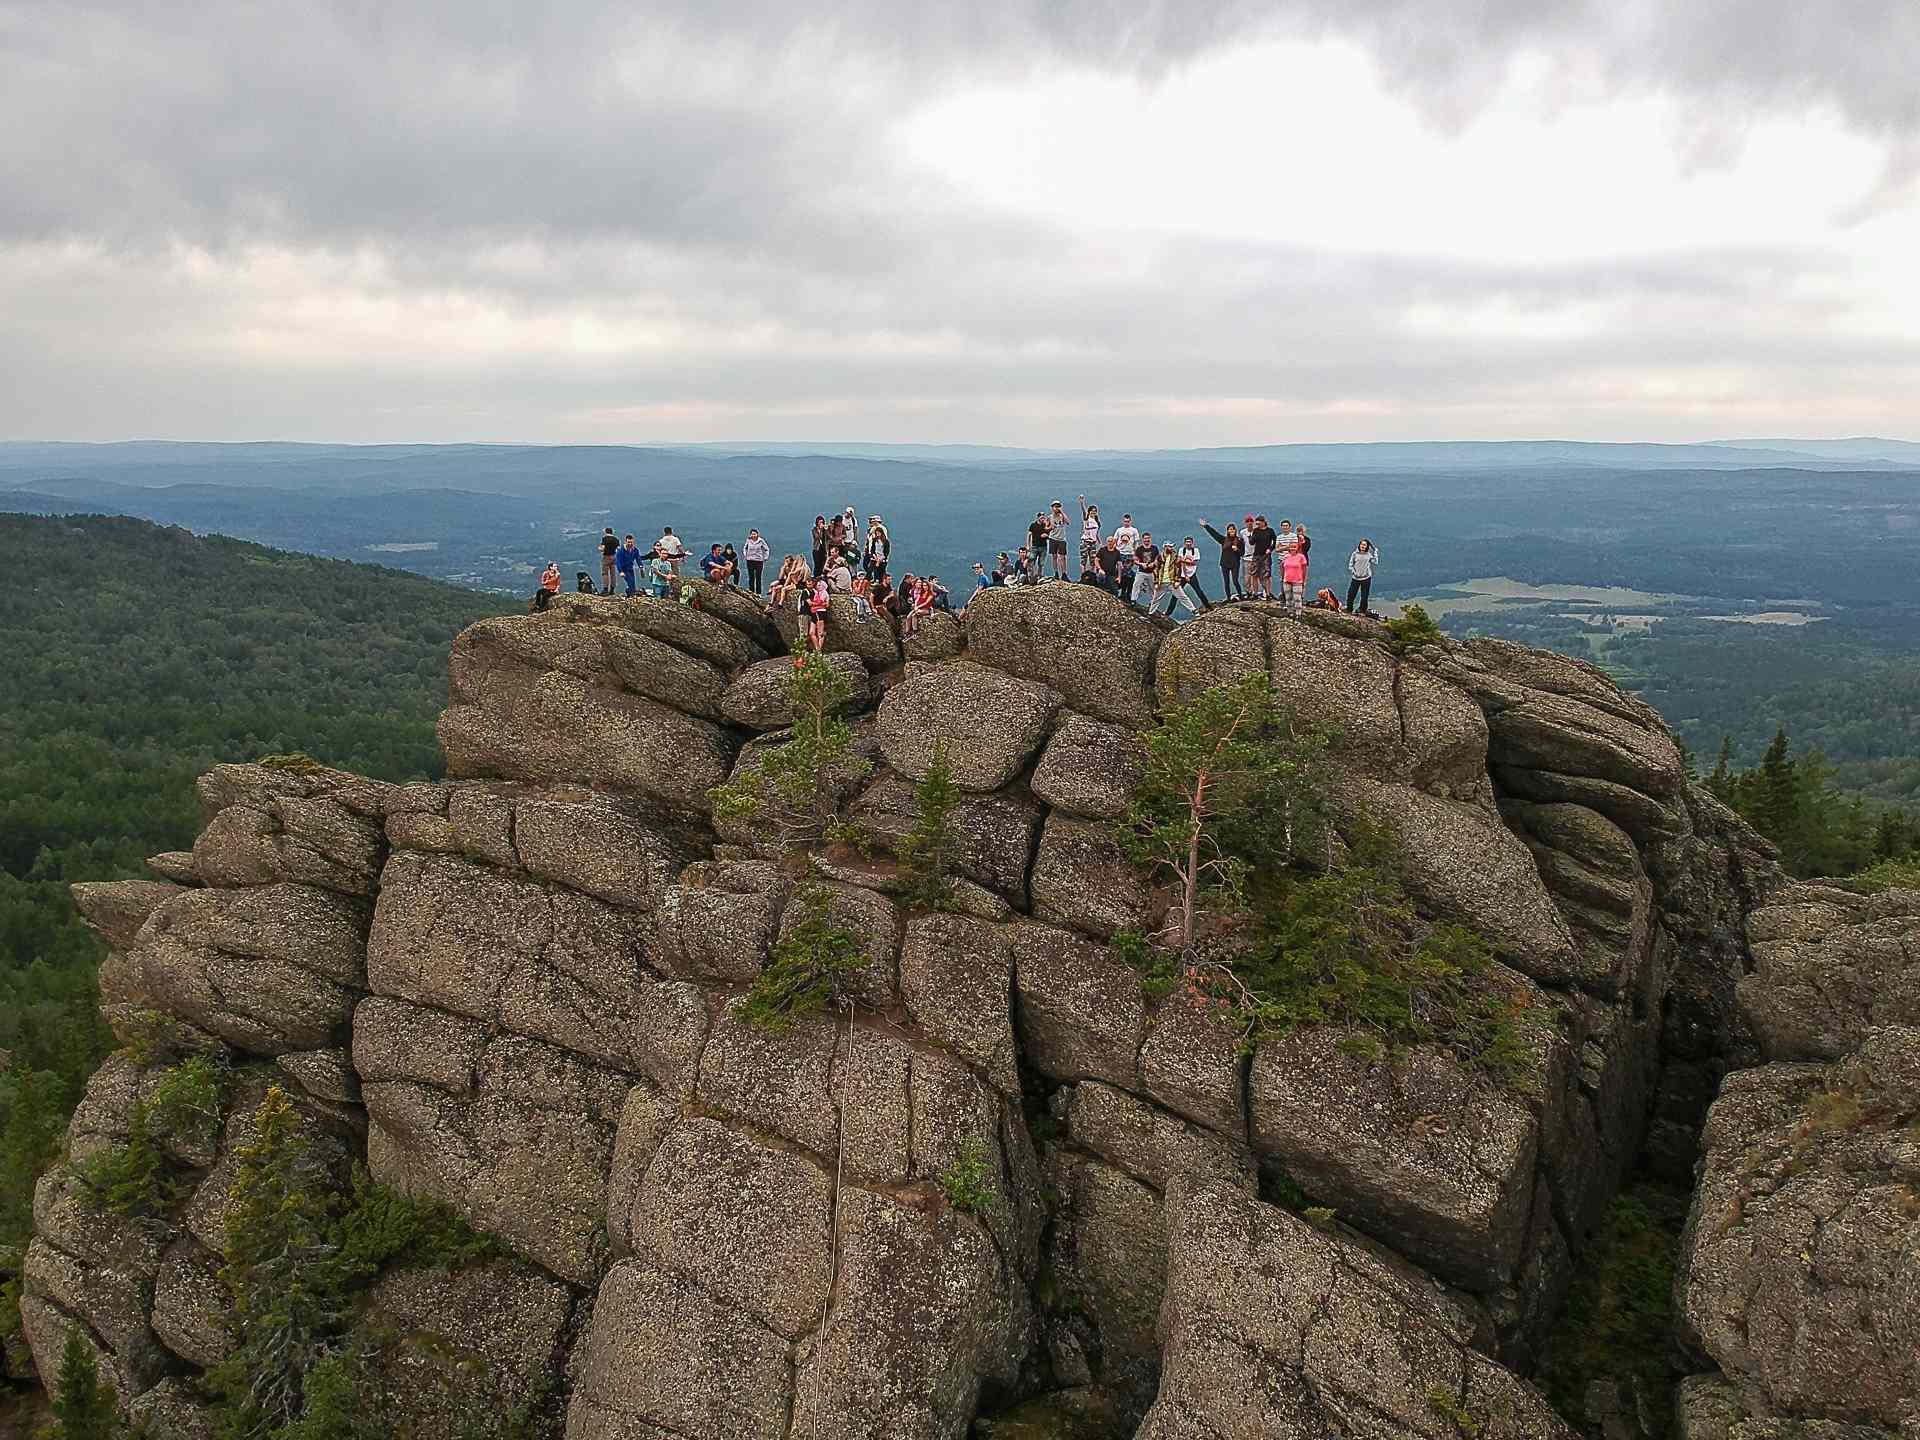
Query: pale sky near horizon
{"points": [[1026, 222]]}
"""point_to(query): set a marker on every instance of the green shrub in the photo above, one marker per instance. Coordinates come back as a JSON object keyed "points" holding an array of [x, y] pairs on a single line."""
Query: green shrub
{"points": [[383, 1229], [792, 789], [1346, 948], [286, 1273], [187, 1098], [1231, 783], [132, 1176], [968, 1181], [1887, 875], [808, 969], [1412, 629]]}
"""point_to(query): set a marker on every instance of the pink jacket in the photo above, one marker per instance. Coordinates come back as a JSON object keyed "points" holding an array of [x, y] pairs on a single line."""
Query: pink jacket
{"points": [[1293, 568]]}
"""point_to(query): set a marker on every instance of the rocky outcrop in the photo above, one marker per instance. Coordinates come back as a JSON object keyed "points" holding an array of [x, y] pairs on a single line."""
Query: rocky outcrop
{"points": [[1003, 1175], [1801, 1262]]}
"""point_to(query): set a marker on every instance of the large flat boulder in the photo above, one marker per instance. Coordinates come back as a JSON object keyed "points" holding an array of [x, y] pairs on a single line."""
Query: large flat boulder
{"points": [[956, 976], [1080, 1012], [1420, 1153], [1083, 879], [535, 959], [1828, 966], [1276, 1329], [988, 724], [116, 909], [449, 1345], [1095, 650], [514, 1134], [1461, 862], [268, 969], [535, 699], [874, 641], [760, 697], [993, 834], [1089, 769]]}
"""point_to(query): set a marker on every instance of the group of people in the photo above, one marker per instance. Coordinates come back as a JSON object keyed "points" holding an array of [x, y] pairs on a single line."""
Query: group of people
{"points": [[1150, 575], [846, 558]]}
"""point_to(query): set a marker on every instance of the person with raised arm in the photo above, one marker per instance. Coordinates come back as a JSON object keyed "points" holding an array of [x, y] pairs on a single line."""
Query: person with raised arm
{"points": [[1232, 551]]}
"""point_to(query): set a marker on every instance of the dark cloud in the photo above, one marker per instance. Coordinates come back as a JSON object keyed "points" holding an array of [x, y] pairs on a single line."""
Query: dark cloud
{"points": [[256, 218]]}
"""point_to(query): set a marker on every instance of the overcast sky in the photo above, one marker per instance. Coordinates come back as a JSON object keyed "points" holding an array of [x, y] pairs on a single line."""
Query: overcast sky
{"points": [[1043, 222]]}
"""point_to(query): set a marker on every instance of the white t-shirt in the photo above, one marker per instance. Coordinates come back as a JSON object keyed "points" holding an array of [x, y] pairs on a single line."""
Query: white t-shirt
{"points": [[670, 546], [1090, 530], [1126, 537]]}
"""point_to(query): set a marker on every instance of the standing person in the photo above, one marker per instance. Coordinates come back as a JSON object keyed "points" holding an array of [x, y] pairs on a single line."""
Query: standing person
{"points": [[1260, 541], [756, 552], [1126, 537], [1232, 551], [1057, 527], [819, 544], [627, 561], [1284, 537], [1190, 573], [1293, 576], [609, 547], [1037, 541], [1306, 540], [1360, 569], [879, 549], [850, 522], [668, 546], [837, 537], [1089, 531], [1146, 564], [661, 575]]}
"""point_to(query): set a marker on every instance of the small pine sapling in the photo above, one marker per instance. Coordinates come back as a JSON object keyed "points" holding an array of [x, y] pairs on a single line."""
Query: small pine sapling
{"points": [[809, 967], [794, 787], [926, 855]]}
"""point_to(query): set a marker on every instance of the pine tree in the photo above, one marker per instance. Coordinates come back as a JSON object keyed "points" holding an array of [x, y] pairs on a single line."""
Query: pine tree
{"points": [[1229, 784], [1720, 782], [285, 1271], [793, 790], [1775, 792], [86, 1407], [926, 854]]}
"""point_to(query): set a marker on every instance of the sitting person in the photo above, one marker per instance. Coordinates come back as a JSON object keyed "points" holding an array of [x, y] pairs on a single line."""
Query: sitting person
{"points": [[862, 599], [549, 586], [882, 594], [715, 566], [940, 600]]}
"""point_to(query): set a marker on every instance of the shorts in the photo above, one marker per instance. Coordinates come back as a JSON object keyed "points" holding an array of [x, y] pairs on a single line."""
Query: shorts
{"points": [[1262, 566], [1056, 547]]}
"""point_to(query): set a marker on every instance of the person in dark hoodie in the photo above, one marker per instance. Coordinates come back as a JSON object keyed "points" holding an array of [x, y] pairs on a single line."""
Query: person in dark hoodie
{"points": [[1260, 543], [1233, 550]]}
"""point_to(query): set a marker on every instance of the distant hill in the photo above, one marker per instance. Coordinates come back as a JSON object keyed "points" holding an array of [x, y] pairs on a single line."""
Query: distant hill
{"points": [[136, 657]]}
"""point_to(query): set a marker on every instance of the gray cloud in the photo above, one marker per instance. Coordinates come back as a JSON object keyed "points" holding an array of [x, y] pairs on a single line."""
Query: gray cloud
{"points": [[210, 217]]}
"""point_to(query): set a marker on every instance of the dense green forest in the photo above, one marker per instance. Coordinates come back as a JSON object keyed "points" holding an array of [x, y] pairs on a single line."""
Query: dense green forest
{"points": [[136, 657]]}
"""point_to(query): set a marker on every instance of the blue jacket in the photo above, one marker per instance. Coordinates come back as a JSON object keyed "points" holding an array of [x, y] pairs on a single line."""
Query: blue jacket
{"points": [[627, 561]]}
